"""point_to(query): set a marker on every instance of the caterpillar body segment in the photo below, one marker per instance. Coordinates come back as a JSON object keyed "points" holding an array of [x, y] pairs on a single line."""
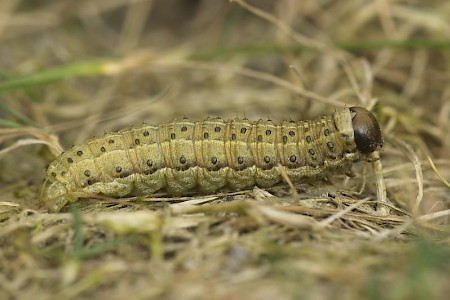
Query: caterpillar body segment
{"points": [[209, 155]]}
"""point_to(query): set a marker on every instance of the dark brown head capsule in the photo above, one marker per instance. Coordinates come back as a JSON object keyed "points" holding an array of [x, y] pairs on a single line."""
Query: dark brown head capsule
{"points": [[367, 131]]}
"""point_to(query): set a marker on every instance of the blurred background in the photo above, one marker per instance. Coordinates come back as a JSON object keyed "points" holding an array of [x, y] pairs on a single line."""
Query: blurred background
{"points": [[70, 70]]}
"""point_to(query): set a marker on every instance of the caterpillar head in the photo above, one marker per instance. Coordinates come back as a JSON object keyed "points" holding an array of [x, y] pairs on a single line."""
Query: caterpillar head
{"points": [[366, 130]]}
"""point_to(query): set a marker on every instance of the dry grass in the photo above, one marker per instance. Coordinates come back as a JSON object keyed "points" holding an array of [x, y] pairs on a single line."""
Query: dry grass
{"points": [[73, 69]]}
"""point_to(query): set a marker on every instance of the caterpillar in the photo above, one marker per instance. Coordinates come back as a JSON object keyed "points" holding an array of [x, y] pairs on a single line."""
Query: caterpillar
{"points": [[209, 155]]}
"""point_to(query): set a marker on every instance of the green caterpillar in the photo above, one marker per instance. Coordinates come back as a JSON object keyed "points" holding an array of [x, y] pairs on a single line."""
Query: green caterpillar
{"points": [[209, 155]]}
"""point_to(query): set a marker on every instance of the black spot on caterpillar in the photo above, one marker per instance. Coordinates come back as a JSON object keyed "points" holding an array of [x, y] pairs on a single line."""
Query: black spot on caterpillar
{"points": [[209, 155]]}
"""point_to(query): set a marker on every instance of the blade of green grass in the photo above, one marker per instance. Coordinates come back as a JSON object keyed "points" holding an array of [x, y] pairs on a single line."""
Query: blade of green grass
{"points": [[90, 252], [47, 76], [19, 116], [78, 238], [9, 124], [31, 94]]}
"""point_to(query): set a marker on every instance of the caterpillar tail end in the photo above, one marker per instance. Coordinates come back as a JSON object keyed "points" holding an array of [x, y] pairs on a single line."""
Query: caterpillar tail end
{"points": [[54, 194]]}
